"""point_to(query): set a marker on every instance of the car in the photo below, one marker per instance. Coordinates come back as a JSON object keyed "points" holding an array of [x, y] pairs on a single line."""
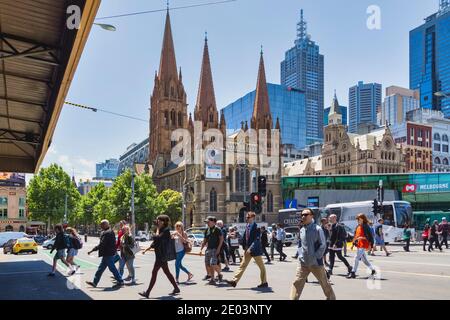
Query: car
{"points": [[196, 239], [8, 235], [142, 236], [288, 241], [39, 239], [25, 245], [48, 244], [8, 246]]}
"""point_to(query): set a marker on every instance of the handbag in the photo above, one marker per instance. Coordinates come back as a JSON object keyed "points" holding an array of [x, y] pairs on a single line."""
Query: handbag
{"points": [[187, 246]]}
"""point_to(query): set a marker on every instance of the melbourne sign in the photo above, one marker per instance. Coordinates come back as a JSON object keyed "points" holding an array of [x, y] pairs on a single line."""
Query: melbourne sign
{"points": [[432, 187]]}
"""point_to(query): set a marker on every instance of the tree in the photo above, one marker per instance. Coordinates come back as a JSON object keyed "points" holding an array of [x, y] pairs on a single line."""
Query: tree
{"points": [[93, 206], [46, 195], [147, 205], [173, 204]]}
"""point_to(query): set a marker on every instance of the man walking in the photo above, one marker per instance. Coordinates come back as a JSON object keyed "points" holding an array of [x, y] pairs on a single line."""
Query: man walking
{"points": [[273, 240], [313, 245], [225, 253], [281, 236], [379, 237], [338, 239], [265, 243], [106, 250], [251, 243], [213, 241], [443, 228]]}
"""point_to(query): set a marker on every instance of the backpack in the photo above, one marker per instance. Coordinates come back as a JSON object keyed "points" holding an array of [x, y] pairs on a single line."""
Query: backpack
{"points": [[76, 243], [67, 241]]}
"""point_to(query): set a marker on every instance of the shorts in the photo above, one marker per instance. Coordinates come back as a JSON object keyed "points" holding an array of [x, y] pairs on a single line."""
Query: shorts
{"points": [[60, 254], [211, 258], [72, 252], [379, 241]]}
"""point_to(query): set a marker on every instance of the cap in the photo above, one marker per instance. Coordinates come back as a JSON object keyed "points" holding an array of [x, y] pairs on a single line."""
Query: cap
{"points": [[444, 218], [210, 218]]}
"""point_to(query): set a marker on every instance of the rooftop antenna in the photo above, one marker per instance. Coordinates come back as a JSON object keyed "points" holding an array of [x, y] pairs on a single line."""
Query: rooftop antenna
{"points": [[302, 28]]}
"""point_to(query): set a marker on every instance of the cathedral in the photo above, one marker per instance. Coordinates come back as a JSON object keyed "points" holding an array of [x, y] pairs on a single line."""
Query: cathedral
{"points": [[225, 176]]}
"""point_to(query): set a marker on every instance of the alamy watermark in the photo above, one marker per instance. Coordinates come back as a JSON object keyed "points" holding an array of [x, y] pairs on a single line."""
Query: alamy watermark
{"points": [[74, 17], [374, 19]]}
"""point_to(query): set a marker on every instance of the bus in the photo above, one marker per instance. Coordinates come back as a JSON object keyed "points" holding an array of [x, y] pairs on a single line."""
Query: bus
{"points": [[396, 214]]}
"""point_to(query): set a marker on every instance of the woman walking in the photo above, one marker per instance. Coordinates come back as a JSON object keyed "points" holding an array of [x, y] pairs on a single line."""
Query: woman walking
{"points": [[406, 237], [181, 241], [233, 242], [60, 246], [425, 235], [75, 241], [163, 252], [363, 240], [127, 254], [434, 237]]}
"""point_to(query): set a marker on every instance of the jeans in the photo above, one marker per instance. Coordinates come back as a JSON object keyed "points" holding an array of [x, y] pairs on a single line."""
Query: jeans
{"points": [[264, 251], [178, 264], [279, 248], [361, 255], [425, 239], [434, 241], [107, 262], [234, 251], [122, 264], [273, 245], [444, 239], [406, 247]]}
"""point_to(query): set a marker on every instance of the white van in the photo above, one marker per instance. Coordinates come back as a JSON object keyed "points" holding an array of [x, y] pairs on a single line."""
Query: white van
{"points": [[8, 235]]}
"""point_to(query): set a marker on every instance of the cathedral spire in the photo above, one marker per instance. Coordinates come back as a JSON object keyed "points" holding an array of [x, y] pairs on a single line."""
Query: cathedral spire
{"points": [[223, 124], [205, 108], [261, 118], [168, 63], [335, 115]]}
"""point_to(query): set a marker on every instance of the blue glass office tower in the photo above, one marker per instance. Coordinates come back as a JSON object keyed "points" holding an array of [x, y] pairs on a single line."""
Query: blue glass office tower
{"points": [[363, 101], [107, 169], [326, 112], [303, 68], [287, 104], [429, 51]]}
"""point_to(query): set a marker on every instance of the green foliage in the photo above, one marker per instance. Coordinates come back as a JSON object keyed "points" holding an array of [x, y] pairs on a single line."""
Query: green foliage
{"points": [[173, 204], [46, 194]]}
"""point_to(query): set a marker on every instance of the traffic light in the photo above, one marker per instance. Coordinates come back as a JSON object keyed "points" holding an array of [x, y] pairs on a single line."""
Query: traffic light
{"points": [[262, 186], [256, 202], [375, 207]]}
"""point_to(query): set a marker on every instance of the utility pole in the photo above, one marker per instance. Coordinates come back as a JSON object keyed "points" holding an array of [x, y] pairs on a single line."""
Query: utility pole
{"points": [[65, 209], [133, 227]]}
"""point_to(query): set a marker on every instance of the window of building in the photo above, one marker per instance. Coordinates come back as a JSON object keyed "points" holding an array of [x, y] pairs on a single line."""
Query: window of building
{"points": [[213, 200], [21, 207], [445, 138], [437, 147], [166, 117], [445, 148], [180, 119], [269, 201], [445, 162], [437, 137], [3, 207], [437, 161]]}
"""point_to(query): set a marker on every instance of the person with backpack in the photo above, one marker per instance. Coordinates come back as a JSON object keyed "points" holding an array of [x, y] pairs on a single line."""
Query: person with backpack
{"points": [[164, 247], [363, 241], [72, 251], [434, 237], [338, 239], [379, 237], [281, 236], [311, 251], [213, 241], [60, 246], [127, 244], [233, 243]]}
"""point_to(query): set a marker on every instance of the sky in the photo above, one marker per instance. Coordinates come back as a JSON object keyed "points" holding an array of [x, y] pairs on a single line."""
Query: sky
{"points": [[116, 70]]}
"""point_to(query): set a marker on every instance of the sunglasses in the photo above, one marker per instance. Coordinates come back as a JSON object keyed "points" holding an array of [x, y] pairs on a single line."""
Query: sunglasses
{"points": [[305, 215]]}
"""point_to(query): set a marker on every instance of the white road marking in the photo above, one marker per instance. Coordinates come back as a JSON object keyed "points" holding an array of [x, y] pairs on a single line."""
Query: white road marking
{"points": [[418, 274]]}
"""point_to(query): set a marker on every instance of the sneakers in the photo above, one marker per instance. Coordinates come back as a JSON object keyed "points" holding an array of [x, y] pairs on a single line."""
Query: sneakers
{"points": [[263, 285], [330, 272], [90, 283], [175, 292], [225, 269], [144, 294], [118, 285], [220, 278], [352, 275], [388, 254], [212, 282], [71, 272], [207, 277], [373, 272], [232, 283]]}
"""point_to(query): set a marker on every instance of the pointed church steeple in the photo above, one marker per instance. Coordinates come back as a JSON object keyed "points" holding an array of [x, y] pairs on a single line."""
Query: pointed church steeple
{"points": [[205, 108], [223, 124], [261, 118], [168, 63], [335, 115]]}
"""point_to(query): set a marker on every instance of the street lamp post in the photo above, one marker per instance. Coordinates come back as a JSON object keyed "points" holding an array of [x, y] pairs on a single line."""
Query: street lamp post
{"points": [[133, 227]]}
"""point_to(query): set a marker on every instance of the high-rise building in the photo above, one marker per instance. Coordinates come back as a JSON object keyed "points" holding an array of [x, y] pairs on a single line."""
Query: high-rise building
{"points": [[107, 169], [136, 153], [303, 68], [363, 101], [287, 104], [397, 102], [429, 56]]}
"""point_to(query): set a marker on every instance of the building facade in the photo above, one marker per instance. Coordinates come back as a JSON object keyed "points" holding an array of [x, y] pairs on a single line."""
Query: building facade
{"points": [[84, 187], [440, 136], [13, 212], [303, 68], [286, 104], [397, 102], [107, 169], [346, 153], [415, 138], [363, 101], [135, 153], [216, 184], [429, 69]]}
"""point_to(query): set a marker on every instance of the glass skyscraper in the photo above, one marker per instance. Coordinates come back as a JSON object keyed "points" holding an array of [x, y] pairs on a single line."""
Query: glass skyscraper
{"points": [[363, 101], [287, 104], [107, 169], [303, 68], [429, 51]]}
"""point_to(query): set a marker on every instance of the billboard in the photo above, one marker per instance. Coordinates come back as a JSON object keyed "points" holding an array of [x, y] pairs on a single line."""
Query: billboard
{"points": [[213, 172], [8, 179]]}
